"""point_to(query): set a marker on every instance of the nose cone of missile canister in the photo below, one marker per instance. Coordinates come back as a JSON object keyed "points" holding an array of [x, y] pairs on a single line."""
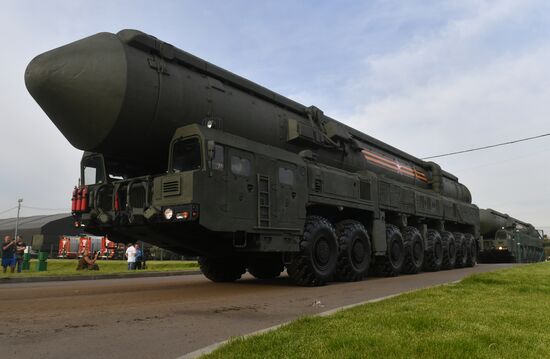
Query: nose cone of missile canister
{"points": [[81, 87]]}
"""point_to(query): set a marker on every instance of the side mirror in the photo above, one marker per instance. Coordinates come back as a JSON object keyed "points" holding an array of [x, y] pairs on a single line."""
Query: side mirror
{"points": [[211, 146]]}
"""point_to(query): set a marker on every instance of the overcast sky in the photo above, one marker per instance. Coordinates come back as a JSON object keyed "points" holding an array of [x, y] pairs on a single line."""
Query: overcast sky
{"points": [[428, 77]]}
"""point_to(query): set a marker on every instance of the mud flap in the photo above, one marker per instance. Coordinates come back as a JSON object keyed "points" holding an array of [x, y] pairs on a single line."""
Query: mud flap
{"points": [[379, 237]]}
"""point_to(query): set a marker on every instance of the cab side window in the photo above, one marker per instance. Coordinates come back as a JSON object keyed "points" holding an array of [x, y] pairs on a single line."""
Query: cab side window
{"points": [[286, 176], [217, 161], [240, 166]]}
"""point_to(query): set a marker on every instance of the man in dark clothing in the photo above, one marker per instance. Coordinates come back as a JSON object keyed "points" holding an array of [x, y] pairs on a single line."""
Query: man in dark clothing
{"points": [[139, 257], [8, 254], [19, 251]]}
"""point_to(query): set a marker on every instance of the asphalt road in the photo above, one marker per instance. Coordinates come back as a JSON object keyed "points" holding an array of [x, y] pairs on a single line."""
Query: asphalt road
{"points": [[167, 317]]}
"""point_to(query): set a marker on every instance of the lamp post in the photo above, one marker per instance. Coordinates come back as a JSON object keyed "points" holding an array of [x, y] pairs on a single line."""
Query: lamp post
{"points": [[519, 253], [19, 201]]}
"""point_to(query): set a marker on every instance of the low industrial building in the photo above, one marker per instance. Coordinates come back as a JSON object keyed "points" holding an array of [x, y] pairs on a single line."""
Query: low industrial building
{"points": [[52, 227]]}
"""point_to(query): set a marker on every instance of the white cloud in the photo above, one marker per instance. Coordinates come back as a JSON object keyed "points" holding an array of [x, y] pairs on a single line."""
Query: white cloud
{"points": [[453, 89]]}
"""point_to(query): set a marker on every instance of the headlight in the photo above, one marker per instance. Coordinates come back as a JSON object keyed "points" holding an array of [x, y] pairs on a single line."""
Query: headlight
{"points": [[499, 248], [168, 213]]}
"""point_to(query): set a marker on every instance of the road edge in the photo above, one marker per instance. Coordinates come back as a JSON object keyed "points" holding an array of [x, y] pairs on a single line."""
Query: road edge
{"points": [[11, 280], [210, 348]]}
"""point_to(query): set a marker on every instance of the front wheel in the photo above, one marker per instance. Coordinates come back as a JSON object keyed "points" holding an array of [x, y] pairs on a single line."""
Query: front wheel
{"points": [[265, 267], [316, 263], [222, 269]]}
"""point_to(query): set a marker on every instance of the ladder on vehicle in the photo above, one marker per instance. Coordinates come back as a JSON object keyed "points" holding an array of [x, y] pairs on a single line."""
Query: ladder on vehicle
{"points": [[264, 202]]}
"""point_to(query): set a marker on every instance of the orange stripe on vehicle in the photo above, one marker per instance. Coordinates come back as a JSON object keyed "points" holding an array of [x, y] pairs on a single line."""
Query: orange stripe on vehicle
{"points": [[382, 164], [393, 163], [421, 175], [394, 166], [379, 157]]}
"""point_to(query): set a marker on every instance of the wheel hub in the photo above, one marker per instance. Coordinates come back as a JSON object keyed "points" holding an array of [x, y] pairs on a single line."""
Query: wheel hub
{"points": [[395, 253], [322, 252], [452, 250], [358, 252], [438, 250], [417, 250]]}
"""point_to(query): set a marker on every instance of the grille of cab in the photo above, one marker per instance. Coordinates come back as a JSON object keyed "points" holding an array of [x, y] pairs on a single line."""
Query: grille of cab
{"points": [[137, 197], [106, 201], [171, 188]]}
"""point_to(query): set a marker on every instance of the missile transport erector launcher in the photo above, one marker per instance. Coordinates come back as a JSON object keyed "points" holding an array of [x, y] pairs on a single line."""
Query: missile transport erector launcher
{"points": [[507, 239], [188, 156]]}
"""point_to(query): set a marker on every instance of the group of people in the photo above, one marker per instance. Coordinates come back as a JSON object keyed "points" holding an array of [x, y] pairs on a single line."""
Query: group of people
{"points": [[134, 256], [12, 253]]}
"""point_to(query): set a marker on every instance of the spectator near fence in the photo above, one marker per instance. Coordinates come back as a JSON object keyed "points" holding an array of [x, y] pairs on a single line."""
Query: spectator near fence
{"points": [[8, 254], [139, 257], [131, 256], [19, 251]]}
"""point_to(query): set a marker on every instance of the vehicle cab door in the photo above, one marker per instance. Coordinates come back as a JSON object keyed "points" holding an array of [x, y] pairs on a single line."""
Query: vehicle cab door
{"points": [[241, 188]]}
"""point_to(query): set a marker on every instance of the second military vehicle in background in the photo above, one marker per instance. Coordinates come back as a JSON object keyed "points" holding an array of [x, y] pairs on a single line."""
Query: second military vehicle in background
{"points": [[507, 239]]}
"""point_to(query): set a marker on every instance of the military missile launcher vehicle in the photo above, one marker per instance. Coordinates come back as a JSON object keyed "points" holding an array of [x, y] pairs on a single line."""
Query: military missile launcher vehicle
{"points": [[508, 240], [193, 158]]}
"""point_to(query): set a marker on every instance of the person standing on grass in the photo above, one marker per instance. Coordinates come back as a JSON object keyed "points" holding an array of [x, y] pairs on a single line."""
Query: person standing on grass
{"points": [[131, 256], [19, 251], [8, 254], [139, 256]]}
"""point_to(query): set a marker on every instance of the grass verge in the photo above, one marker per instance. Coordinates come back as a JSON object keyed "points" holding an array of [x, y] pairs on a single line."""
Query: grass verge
{"points": [[67, 267], [503, 314]]}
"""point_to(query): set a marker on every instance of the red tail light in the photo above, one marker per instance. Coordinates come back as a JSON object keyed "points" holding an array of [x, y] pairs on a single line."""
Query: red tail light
{"points": [[117, 203]]}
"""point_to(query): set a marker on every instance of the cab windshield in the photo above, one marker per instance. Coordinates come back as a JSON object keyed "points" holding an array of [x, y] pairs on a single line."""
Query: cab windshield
{"points": [[502, 235], [92, 170], [186, 155]]}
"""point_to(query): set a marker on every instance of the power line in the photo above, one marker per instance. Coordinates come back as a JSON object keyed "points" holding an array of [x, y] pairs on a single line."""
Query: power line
{"points": [[7, 210], [45, 209], [486, 147]]}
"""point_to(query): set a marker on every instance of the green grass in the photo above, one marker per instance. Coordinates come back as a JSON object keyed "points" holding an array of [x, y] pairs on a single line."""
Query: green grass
{"points": [[503, 314], [67, 267]]}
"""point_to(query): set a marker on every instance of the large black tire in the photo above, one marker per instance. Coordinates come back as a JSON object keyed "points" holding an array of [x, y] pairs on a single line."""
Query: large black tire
{"points": [[462, 250], [354, 255], [266, 266], [222, 269], [472, 250], [449, 250], [433, 257], [316, 263], [391, 264], [413, 245]]}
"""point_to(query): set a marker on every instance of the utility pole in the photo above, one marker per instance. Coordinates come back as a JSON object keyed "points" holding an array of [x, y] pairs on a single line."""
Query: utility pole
{"points": [[17, 219]]}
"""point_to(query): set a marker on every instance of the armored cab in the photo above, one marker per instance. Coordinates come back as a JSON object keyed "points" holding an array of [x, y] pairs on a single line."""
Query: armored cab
{"points": [[186, 155], [507, 239]]}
